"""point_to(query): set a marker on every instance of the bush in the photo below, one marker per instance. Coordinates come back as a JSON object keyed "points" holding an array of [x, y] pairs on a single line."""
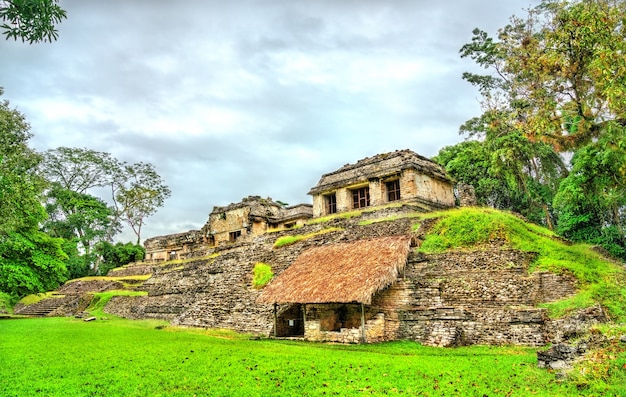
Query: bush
{"points": [[6, 302], [118, 255], [261, 275]]}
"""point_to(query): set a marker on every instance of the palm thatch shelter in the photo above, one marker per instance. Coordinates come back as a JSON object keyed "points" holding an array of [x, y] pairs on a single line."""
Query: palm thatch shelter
{"points": [[333, 279]]}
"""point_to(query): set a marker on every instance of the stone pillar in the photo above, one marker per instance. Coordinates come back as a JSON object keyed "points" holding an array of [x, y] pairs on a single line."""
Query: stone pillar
{"points": [[467, 195]]}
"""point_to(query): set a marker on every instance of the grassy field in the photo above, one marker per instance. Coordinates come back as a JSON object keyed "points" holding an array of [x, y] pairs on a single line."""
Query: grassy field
{"points": [[70, 357]]}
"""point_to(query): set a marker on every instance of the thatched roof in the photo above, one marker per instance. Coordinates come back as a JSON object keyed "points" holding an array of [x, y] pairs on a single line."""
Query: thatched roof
{"points": [[340, 273]]}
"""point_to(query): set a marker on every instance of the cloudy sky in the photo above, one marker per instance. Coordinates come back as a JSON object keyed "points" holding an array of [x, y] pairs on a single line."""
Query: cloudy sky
{"points": [[249, 97]]}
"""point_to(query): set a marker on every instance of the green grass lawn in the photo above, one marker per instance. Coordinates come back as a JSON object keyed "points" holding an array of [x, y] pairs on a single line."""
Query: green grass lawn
{"points": [[69, 357]]}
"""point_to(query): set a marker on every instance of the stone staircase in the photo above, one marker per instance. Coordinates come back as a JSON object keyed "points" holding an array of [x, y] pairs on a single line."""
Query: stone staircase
{"points": [[45, 306]]}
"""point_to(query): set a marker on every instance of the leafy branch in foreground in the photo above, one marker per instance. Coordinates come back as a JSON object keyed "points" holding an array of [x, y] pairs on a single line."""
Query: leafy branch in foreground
{"points": [[31, 20]]}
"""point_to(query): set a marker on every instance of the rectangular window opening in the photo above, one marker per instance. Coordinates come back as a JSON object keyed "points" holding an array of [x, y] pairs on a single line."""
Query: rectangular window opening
{"points": [[331, 203], [361, 197], [393, 190], [233, 236]]}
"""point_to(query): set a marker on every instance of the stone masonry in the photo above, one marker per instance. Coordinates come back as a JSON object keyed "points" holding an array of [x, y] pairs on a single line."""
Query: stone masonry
{"points": [[486, 296]]}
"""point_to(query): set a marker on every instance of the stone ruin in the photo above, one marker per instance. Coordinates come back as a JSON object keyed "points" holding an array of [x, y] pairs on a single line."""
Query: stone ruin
{"points": [[204, 278], [485, 296], [241, 221]]}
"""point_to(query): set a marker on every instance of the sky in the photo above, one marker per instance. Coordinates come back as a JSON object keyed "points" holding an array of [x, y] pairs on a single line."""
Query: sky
{"points": [[249, 97]]}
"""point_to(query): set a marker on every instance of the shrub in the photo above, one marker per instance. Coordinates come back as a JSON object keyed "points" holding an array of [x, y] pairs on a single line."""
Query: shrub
{"points": [[261, 275], [6, 302]]}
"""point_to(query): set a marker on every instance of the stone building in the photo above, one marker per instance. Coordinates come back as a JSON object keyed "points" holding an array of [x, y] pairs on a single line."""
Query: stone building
{"points": [[402, 176], [171, 246], [251, 216], [235, 222]]}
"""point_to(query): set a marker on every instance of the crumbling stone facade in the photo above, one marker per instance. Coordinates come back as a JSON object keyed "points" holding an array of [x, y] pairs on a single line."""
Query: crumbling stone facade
{"points": [[171, 246], [402, 176], [486, 296], [479, 297], [237, 222], [252, 216]]}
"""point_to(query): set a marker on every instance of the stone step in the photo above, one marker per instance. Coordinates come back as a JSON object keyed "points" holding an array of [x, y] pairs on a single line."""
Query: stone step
{"points": [[43, 307]]}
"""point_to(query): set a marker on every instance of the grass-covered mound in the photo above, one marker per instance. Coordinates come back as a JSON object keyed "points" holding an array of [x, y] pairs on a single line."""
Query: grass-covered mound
{"points": [[600, 280]]}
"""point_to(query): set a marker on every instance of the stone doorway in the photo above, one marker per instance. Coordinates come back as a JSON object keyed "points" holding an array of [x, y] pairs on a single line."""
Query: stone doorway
{"points": [[290, 322]]}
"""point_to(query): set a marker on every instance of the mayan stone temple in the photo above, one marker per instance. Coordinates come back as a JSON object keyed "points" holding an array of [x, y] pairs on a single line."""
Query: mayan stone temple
{"points": [[347, 268]]}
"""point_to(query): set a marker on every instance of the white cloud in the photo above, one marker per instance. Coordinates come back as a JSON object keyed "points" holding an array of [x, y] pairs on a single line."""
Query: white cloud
{"points": [[234, 98]]}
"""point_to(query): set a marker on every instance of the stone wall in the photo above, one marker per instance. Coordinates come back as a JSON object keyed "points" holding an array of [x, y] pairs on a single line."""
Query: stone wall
{"points": [[467, 195], [374, 332], [171, 246], [434, 189], [479, 297], [232, 221], [486, 296]]}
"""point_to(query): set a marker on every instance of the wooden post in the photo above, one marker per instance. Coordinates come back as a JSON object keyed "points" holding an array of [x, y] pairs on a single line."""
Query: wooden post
{"points": [[275, 320], [363, 337], [304, 319]]}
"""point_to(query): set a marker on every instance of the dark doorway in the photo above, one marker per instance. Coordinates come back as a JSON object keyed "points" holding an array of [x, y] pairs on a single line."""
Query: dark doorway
{"points": [[290, 322]]}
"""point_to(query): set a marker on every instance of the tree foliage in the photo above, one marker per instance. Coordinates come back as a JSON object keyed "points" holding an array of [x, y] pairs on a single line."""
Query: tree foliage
{"points": [[31, 20], [136, 191], [80, 216], [78, 170], [119, 254], [559, 73], [555, 84], [81, 219], [591, 201], [508, 171], [30, 260]]}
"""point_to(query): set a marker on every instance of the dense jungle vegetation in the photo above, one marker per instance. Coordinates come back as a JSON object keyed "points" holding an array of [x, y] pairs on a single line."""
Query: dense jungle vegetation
{"points": [[551, 141]]}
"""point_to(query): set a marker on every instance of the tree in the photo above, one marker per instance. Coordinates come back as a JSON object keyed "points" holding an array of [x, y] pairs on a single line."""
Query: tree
{"points": [[118, 255], [19, 186], [31, 20], [558, 77], [560, 72], [136, 190], [591, 201], [30, 260], [137, 194], [79, 170], [79, 218], [508, 172]]}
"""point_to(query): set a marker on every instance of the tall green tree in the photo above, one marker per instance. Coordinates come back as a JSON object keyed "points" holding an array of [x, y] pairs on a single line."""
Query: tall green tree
{"points": [[508, 172], [559, 73], [119, 254], [137, 194], [136, 191], [79, 169], [30, 260], [31, 20], [80, 218], [558, 76], [591, 201]]}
